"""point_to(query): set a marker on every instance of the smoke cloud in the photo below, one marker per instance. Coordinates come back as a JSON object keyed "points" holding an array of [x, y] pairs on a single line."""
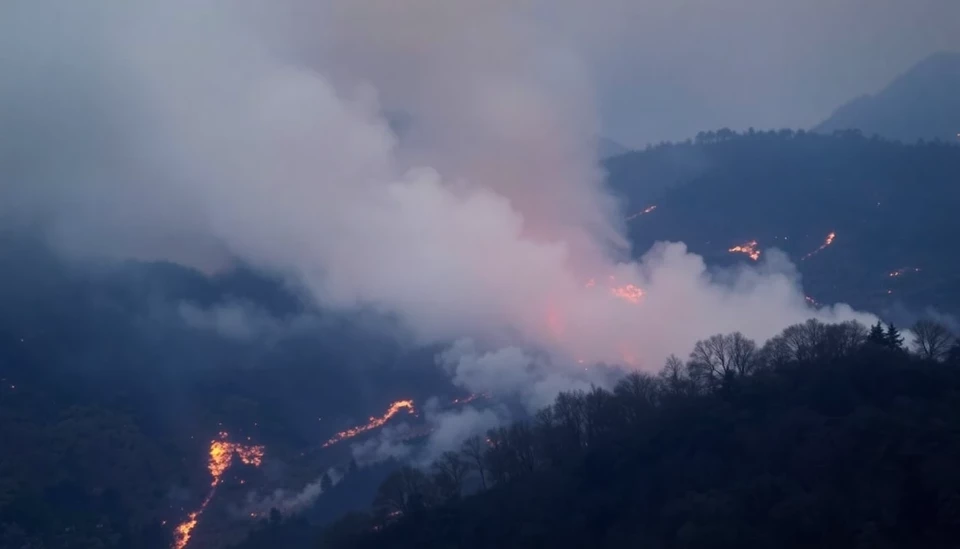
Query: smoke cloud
{"points": [[201, 134], [443, 430], [290, 503]]}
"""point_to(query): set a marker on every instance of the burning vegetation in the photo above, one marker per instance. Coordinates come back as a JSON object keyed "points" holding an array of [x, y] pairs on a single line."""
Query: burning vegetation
{"points": [[373, 423], [829, 240], [751, 250], [221, 455]]}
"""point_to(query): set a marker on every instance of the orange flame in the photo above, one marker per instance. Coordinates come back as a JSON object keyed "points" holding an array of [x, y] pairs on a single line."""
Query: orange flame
{"points": [[221, 456], [629, 292], [374, 422], [830, 238], [749, 248]]}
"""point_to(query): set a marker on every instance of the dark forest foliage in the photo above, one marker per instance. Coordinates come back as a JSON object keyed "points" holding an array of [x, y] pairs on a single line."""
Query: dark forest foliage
{"points": [[827, 436]]}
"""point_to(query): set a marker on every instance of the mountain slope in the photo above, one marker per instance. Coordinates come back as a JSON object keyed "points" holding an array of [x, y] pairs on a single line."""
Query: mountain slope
{"points": [[923, 103], [892, 207], [607, 148]]}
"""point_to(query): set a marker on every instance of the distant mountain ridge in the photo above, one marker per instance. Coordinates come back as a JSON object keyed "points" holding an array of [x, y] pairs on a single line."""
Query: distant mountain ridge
{"points": [[923, 103]]}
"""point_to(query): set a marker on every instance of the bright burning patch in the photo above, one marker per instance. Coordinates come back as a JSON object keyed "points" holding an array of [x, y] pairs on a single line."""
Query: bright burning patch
{"points": [[630, 293], [373, 423], [829, 240], [749, 248], [221, 456]]}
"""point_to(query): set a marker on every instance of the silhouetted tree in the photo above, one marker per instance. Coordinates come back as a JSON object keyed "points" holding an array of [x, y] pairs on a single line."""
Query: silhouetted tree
{"points": [[449, 471], [877, 335], [932, 339], [404, 491], [473, 450], [893, 338]]}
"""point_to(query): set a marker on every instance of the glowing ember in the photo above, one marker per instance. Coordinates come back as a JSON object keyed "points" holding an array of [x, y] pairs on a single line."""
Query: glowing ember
{"points": [[374, 422], [221, 455], [629, 292], [900, 272], [644, 211], [827, 242], [748, 248]]}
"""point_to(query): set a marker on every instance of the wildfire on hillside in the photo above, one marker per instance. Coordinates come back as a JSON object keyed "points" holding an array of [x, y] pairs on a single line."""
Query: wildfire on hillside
{"points": [[749, 248], [220, 457], [829, 240], [373, 423]]}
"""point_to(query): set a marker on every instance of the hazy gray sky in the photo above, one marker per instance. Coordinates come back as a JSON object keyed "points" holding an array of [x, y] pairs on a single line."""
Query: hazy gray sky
{"points": [[665, 69]]}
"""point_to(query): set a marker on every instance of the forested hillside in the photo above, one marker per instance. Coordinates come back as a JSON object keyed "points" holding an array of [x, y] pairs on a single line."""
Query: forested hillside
{"points": [[115, 378], [827, 436], [891, 206]]}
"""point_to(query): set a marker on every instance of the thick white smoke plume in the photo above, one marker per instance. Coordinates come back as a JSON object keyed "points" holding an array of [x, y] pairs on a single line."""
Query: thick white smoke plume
{"points": [[206, 131]]}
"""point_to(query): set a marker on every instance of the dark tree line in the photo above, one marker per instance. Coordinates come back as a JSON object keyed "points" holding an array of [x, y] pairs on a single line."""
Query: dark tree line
{"points": [[828, 435]]}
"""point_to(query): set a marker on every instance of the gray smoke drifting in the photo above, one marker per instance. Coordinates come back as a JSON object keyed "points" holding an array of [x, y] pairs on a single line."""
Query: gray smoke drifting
{"points": [[289, 503], [443, 430], [204, 132]]}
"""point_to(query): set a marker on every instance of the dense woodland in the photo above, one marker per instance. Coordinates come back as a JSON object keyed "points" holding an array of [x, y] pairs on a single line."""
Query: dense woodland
{"points": [[114, 377], [826, 436]]}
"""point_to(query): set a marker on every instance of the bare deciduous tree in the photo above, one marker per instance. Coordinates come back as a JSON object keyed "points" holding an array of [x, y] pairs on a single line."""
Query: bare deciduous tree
{"points": [[449, 470], [405, 490], [722, 356], [474, 450], [932, 339]]}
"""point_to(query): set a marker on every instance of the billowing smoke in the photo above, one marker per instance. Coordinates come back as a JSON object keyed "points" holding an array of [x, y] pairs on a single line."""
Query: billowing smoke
{"points": [[204, 132], [291, 503], [443, 430]]}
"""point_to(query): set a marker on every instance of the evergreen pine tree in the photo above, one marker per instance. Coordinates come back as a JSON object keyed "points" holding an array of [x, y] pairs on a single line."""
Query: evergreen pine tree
{"points": [[893, 338], [877, 335]]}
